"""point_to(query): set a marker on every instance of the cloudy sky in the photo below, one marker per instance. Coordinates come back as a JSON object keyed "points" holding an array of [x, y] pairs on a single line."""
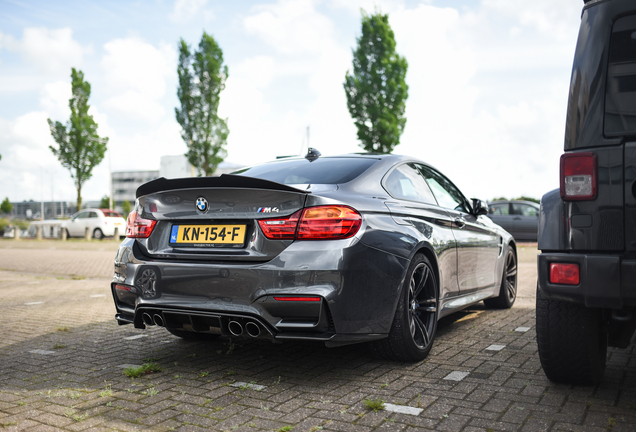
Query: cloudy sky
{"points": [[488, 84]]}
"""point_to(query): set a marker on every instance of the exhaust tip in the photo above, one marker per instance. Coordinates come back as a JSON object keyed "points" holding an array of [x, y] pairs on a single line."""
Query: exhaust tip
{"points": [[158, 320], [235, 328], [253, 329], [147, 319]]}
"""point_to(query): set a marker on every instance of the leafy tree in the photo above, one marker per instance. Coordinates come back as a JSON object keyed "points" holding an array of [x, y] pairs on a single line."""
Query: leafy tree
{"points": [[376, 90], [105, 202], [6, 206], [202, 77], [126, 207], [80, 149]]}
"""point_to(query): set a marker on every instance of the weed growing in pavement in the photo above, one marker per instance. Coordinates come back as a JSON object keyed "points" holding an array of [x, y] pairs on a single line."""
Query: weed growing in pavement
{"points": [[78, 277], [151, 392], [375, 405], [146, 368], [62, 328], [315, 428], [192, 355], [230, 345], [150, 360], [611, 422], [107, 392], [204, 374], [230, 372], [21, 403], [7, 424], [384, 385], [59, 346]]}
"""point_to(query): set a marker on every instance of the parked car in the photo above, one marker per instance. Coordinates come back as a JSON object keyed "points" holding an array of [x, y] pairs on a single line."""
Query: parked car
{"points": [[100, 223], [340, 250], [586, 295], [519, 218]]}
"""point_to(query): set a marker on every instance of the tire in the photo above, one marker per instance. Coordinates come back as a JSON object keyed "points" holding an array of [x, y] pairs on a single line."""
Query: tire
{"points": [[188, 335], [572, 341], [98, 234], [508, 288], [415, 323]]}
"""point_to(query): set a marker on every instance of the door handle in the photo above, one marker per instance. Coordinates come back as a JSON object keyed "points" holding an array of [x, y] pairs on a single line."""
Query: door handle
{"points": [[460, 222]]}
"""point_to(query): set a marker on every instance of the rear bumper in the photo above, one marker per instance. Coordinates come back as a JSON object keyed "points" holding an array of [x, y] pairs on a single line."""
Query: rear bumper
{"points": [[606, 281], [357, 287]]}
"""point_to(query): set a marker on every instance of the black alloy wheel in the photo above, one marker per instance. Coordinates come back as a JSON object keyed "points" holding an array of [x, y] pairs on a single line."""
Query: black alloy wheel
{"points": [[508, 288], [415, 322]]}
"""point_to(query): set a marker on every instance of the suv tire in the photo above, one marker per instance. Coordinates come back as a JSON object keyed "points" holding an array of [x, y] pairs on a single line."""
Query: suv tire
{"points": [[572, 341]]}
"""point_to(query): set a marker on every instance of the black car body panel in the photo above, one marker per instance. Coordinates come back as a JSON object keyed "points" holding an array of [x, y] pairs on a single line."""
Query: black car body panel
{"points": [[356, 280], [519, 218], [594, 231]]}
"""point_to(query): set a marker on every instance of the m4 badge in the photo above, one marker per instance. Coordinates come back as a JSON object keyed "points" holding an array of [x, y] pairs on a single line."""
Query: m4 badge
{"points": [[268, 210]]}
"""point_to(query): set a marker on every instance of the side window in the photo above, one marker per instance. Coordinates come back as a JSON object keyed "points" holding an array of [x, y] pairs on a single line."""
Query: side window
{"points": [[82, 215], [620, 96], [524, 210], [499, 209], [448, 196], [405, 182]]}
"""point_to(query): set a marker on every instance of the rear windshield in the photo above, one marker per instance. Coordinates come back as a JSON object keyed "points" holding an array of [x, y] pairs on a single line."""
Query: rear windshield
{"points": [[109, 213], [301, 171], [620, 97]]}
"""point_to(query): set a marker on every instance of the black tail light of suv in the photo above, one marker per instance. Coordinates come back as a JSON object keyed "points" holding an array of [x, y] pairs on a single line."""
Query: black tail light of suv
{"points": [[578, 176]]}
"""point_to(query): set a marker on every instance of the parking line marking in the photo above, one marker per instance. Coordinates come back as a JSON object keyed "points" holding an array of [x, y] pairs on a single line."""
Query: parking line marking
{"points": [[522, 329], [135, 337], [33, 303], [456, 376], [42, 352], [248, 385], [495, 347], [402, 409], [98, 295]]}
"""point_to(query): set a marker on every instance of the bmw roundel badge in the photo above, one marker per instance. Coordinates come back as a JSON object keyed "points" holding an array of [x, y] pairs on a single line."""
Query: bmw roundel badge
{"points": [[202, 204]]}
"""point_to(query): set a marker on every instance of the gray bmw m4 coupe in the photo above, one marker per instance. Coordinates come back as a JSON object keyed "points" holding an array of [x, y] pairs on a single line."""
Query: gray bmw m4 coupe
{"points": [[347, 249]]}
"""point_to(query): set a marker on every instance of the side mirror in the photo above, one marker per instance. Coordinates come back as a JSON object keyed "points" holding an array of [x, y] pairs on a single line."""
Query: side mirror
{"points": [[479, 207]]}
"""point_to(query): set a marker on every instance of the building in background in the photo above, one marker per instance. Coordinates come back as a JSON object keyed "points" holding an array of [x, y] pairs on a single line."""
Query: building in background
{"points": [[30, 210]]}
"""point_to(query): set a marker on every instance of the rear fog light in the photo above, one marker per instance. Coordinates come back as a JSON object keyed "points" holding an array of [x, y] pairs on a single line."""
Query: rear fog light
{"points": [[564, 274]]}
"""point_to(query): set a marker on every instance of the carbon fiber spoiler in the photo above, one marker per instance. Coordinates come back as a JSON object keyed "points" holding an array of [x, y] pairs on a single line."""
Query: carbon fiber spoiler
{"points": [[224, 181]]}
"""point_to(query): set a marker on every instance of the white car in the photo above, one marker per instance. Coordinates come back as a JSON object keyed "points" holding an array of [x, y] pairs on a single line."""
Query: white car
{"points": [[100, 222]]}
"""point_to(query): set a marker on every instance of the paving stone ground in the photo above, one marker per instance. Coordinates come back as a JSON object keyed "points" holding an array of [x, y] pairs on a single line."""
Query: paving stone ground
{"points": [[62, 362]]}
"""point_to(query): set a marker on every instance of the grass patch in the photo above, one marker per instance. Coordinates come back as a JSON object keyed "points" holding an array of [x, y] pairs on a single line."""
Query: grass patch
{"points": [[62, 328], [151, 392], [146, 368], [59, 346], [107, 392], [285, 429], [374, 404]]}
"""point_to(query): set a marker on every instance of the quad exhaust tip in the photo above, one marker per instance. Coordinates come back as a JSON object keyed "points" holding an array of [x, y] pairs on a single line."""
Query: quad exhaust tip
{"points": [[158, 320], [235, 328], [147, 319], [253, 329]]}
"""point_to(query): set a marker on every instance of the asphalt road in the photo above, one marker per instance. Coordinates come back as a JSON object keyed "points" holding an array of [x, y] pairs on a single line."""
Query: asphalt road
{"points": [[63, 356]]}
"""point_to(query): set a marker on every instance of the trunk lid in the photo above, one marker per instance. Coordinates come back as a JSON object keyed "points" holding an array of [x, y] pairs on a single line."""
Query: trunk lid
{"points": [[214, 218]]}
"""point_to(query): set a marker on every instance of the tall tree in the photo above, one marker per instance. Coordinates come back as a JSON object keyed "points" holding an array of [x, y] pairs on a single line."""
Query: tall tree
{"points": [[376, 90], [6, 206], [202, 77], [80, 149]]}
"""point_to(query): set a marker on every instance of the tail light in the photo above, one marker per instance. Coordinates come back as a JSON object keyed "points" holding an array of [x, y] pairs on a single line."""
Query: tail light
{"points": [[314, 223], [138, 227], [578, 176], [565, 274]]}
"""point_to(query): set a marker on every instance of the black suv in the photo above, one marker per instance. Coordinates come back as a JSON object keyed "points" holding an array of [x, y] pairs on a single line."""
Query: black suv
{"points": [[586, 294]]}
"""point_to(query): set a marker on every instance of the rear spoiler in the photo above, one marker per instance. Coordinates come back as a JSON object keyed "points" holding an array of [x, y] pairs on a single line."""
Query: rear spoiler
{"points": [[224, 181]]}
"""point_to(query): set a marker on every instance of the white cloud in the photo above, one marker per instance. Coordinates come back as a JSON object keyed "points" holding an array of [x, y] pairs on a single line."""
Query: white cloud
{"points": [[54, 99], [291, 26], [187, 10], [136, 72], [50, 50]]}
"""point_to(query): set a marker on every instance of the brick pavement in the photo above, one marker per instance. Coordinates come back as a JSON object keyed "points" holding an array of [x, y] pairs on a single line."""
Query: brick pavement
{"points": [[62, 357]]}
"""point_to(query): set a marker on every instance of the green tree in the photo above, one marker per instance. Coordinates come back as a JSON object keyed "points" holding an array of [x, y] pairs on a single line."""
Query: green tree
{"points": [[376, 90], [105, 202], [6, 206], [126, 207], [202, 77], [80, 149]]}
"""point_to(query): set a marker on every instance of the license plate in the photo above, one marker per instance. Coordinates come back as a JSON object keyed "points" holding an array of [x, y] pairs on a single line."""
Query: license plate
{"points": [[203, 235]]}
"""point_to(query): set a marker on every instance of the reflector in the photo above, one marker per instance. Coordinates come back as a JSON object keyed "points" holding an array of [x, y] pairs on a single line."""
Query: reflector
{"points": [[564, 273]]}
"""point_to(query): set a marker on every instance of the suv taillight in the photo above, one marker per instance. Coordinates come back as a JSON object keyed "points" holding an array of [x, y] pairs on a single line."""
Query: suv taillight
{"points": [[138, 227], [578, 176], [314, 223]]}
